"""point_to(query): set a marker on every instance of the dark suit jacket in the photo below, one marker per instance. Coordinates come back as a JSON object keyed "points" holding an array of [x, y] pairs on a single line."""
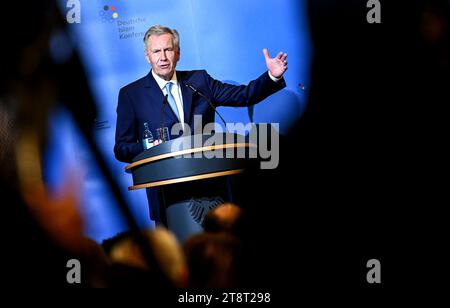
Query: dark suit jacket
{"points": [[142, 101]]}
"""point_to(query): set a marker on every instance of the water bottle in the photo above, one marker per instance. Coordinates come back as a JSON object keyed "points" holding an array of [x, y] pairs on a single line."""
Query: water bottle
{"points": [[147, 137]]}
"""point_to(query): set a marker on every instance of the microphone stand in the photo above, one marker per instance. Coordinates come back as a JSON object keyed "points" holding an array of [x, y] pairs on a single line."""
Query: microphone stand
{"points": [[165, 102], [209, 102]]}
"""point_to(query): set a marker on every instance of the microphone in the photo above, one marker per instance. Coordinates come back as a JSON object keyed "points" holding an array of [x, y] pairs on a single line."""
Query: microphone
{"points": [[165, 102], [209, 102]]}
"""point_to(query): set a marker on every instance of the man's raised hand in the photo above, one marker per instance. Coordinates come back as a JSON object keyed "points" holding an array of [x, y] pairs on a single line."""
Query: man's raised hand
{"points": [[276, 66]]}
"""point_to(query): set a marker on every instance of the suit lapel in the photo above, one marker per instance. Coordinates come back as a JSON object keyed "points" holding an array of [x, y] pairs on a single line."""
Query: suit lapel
{"points": [[157, 99], [187, 97]]}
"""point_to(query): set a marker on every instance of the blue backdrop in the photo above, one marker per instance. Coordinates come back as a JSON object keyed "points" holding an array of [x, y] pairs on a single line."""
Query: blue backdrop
{"points": [[224, 37]]}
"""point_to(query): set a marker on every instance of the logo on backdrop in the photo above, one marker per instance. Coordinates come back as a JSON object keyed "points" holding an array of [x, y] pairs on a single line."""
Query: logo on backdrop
{"points": [[108, 13], [127, 28]]}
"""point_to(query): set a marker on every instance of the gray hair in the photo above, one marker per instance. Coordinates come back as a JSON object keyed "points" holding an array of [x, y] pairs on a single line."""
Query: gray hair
{"points": [[159, 30]]}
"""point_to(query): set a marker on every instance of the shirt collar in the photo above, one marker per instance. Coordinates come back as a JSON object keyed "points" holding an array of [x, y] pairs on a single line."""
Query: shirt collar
{"points": [[162, 83]]}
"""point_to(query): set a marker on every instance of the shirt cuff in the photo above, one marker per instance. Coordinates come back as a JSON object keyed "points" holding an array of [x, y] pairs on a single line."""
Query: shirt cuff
{"points": [[274, 78]]}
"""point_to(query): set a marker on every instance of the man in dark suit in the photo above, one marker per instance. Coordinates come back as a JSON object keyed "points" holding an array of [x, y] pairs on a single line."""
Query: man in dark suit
{"points": [[142, 100]]}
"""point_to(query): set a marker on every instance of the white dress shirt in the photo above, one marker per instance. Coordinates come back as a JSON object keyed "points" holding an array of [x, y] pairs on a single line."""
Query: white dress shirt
{"points": [[176, 92]]}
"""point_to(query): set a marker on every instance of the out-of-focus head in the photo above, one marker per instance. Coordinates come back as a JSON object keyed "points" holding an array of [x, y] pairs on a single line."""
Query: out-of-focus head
{"points": [[225, 217], [168, 254]]}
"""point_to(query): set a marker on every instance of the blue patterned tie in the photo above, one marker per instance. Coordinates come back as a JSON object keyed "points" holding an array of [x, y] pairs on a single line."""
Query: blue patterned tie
{"points": [[171, 99]]}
